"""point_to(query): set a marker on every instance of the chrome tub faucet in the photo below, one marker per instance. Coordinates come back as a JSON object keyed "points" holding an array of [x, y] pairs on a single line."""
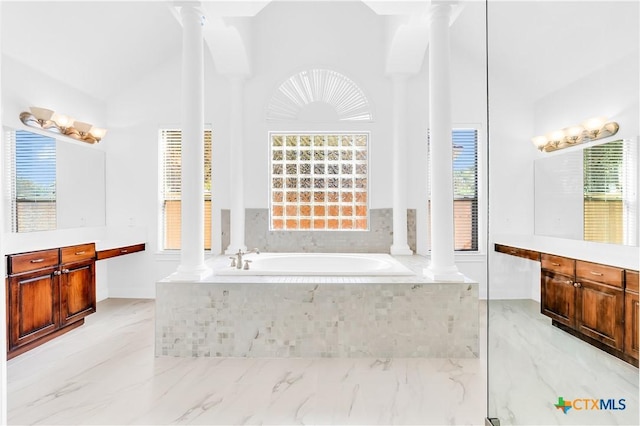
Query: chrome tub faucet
{"points": [[236, 260]]}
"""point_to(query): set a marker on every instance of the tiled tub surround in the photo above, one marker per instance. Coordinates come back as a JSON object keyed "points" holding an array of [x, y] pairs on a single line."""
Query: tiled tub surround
{"points": [[273, 316], [376, 240]]}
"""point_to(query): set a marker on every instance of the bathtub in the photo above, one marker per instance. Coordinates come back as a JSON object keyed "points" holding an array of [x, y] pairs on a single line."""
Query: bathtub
{"points": [[337, 264]]}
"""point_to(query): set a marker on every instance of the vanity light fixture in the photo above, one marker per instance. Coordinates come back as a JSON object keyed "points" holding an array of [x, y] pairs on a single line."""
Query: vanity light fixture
{"points": [[590, 130], [49, 120]]}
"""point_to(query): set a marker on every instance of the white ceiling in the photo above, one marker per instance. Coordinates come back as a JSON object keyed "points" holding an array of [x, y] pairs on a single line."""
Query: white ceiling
{"points": [[97, 47], [101, 48], [541, 46]]}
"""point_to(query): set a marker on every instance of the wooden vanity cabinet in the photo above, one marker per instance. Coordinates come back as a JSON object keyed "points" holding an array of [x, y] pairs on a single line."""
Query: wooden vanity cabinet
{"points": [[558, 293], [32, 300], [49, 292], [594, 302], [77, 283], [600, 303], [632, 316], [584, 297]]}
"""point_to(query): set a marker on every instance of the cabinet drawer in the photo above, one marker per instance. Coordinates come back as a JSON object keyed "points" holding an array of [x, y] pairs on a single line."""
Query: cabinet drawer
{"points": [[78, 253], [119, 251], [520, 252], [604, 274], [559, 264], [32, 261], [632, 280]]}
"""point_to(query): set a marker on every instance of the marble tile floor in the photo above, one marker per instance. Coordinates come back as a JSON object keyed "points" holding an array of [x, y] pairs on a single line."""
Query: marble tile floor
{"points": [[532, 364], [105, 372]]}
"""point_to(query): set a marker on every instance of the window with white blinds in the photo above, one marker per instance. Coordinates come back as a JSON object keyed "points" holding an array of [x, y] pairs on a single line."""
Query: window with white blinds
{"points": [[170, 191], [32, 168], [465, 188], [610, 186]]}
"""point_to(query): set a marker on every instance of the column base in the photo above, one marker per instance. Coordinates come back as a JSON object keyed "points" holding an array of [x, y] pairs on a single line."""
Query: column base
{"points": [[444, 274], [190, 274], [401, 250]]}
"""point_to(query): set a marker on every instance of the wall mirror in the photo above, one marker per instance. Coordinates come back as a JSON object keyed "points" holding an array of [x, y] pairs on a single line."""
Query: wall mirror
{"points": [[55, 184], [589, 194]]}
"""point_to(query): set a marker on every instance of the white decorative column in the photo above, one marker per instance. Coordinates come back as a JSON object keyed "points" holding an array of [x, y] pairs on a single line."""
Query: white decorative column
{"points": [[442, 267], [236, 177], [400, 246], [192, 264]]}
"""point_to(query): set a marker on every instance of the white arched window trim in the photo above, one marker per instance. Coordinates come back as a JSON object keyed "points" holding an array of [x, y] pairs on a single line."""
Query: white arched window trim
{"points": [[315, 86]]}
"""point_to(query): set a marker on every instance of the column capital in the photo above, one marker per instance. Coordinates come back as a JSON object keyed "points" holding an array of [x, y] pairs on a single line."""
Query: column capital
{"points": [[190, 10], [441, 9]]}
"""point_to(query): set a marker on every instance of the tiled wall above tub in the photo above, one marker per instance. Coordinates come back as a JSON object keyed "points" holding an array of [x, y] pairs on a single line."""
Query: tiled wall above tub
{"points": [[377, 240]]}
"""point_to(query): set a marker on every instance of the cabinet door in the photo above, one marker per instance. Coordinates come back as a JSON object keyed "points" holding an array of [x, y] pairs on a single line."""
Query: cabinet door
{"points": [[32, 306], [558, 297], [601, 312], [77, 291], [631, 324]]}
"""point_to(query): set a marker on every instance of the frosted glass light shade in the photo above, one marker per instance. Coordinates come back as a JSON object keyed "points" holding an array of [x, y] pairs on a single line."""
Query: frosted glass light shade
{"points": [[41, 114], [594, 124], [81, 127], [574, 135], [63, 121], [556, 136], [574, 132], [98, 133], [539, 141]]}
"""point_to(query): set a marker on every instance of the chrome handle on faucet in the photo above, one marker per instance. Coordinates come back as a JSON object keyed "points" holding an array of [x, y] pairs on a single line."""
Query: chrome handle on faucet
{"points": [[233, 262], [246, 265]]}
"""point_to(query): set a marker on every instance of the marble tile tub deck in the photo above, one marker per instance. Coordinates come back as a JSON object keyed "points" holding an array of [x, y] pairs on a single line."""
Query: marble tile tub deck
{"points": [[317, 316]]}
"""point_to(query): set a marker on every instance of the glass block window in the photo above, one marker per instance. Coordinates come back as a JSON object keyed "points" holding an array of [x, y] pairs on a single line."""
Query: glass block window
{"points": [[319, 181]]}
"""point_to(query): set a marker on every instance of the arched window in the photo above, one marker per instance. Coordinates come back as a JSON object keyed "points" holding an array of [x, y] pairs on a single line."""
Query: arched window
{"points": [[318, 95], [319, 180]]}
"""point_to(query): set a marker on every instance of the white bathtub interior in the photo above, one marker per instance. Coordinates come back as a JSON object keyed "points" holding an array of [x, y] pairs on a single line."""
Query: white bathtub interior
{"points": [[324, 264]]}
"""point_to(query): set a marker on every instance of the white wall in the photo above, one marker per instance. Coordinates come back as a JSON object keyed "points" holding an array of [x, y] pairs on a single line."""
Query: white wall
{"points": [[350, 45], [511, 187], [23, 87], [135, 116], [287, 38], [612, 90]]}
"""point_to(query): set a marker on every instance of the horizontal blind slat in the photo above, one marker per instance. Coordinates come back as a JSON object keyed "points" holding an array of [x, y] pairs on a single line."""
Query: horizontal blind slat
{"points": [[171, 190], [465, 187], [33, 179]]}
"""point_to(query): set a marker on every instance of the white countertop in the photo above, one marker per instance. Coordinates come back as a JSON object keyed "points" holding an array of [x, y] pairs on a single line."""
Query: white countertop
{"points": [[627, 257]]}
